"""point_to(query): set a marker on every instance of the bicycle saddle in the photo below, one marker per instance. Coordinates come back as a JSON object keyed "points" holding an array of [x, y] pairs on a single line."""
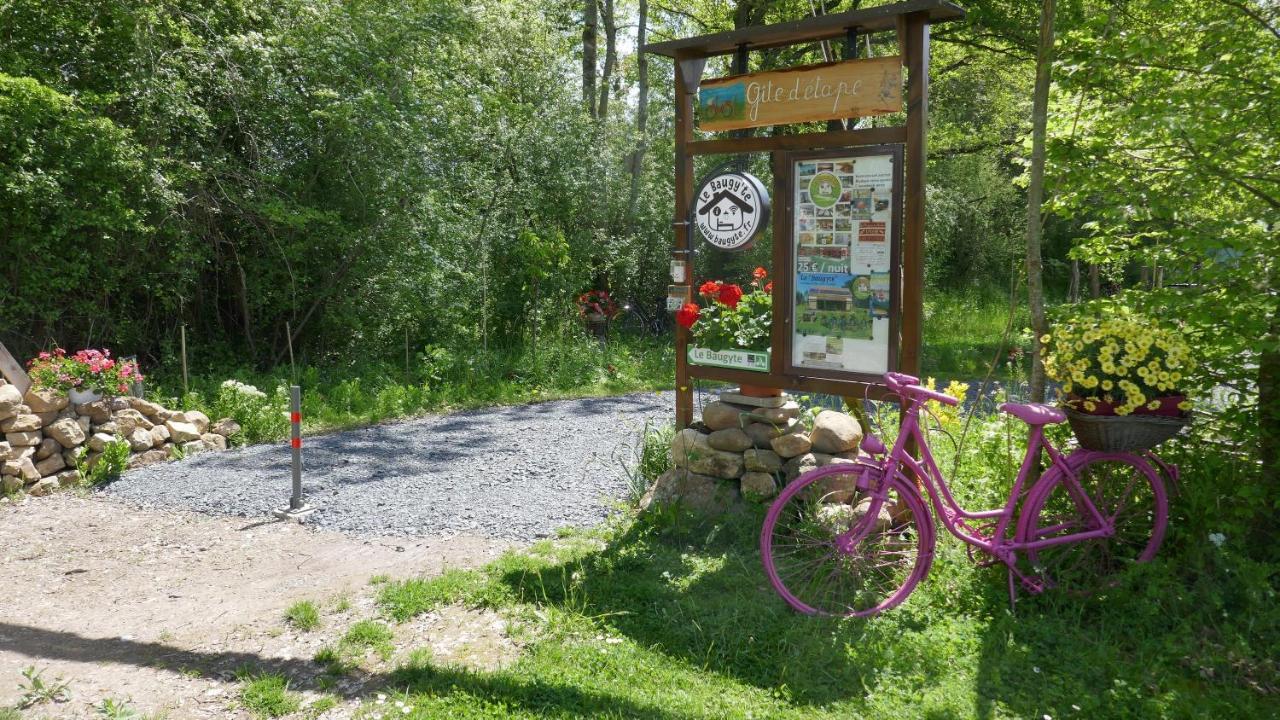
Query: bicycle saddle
{"points": [[1034, 413]]}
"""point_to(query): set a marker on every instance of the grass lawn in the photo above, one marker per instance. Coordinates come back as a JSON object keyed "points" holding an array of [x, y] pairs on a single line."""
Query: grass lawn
{"points": [[963, 330], [671, 617], [369, 392]]}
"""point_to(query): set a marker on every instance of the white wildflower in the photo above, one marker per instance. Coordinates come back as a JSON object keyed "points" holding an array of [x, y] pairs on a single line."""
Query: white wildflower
{"points": [[243, 389], [1217, 539]]}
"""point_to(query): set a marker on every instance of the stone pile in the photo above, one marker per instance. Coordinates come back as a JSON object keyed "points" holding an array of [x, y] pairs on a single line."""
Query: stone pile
{"points": [[749, 448], [42, 433]]}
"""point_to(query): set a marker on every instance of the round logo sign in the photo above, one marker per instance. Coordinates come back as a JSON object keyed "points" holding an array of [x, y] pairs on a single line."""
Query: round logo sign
{"points": [[825, 189], [731, 209]]}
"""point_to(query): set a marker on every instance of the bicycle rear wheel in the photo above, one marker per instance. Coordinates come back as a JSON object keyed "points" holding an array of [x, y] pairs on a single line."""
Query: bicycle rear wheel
{"points": [[798, 543], [1129, 495]]}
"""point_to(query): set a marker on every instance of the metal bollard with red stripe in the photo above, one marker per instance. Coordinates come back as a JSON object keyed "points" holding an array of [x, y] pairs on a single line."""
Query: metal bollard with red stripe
{"points": [[295, 440], [297, 508]]}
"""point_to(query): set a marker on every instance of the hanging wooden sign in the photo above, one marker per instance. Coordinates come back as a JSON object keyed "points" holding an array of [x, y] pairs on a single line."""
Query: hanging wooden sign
{"points": [[827, 91]]}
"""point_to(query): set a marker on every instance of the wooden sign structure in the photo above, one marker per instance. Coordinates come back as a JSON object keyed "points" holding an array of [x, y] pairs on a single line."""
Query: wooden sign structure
{"points": [[910, 21]]}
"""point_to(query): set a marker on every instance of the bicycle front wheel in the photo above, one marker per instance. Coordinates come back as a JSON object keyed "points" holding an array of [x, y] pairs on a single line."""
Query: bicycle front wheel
{"points": [[1130, 499], [816, 575]]}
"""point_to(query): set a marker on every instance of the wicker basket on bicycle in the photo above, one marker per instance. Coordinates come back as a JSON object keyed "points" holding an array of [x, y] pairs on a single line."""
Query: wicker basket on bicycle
{"points": [[1123, 433]]}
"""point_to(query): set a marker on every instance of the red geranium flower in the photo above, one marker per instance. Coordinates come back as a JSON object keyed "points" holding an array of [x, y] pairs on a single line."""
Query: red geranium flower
{"points": [[759, 273], [709, 287], [688, 315], [730, 295], [768, 287]]}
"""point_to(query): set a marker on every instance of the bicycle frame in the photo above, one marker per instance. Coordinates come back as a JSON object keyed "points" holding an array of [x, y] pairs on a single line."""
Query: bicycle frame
{"points": [[953, 515], [1002, 533]]}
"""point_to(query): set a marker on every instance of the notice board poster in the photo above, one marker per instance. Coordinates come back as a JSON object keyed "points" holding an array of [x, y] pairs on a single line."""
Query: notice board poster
{"points": [[845, 212]]}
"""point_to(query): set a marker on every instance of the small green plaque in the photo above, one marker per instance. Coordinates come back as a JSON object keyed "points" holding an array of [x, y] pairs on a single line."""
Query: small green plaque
{"points": [[753, 360]]}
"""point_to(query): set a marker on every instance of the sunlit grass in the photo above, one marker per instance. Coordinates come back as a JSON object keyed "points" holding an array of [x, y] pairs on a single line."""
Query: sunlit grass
{"points": [[964, 332]]}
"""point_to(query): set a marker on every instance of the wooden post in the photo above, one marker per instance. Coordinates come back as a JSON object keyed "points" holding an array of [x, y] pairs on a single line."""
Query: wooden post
{"points": [[683, 196], [780, 328], [183, 335], [915, 53], [916, 56], [288, 336], [13, 371]]}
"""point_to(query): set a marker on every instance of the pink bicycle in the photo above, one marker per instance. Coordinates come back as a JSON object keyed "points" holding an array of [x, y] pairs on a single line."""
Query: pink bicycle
{"points": [[856, 538]]}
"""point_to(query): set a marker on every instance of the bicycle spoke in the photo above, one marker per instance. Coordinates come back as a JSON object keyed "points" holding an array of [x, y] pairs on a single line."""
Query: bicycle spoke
{"points": [[806, 563], [1123, 495]]}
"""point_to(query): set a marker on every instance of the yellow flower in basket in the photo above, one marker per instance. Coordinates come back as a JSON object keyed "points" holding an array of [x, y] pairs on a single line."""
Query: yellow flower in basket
{"points": [[1123, 364]]}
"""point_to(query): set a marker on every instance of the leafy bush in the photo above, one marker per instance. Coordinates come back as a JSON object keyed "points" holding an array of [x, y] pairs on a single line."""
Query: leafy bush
{"points": [[109, 465], [650, 458], [261, 416]]}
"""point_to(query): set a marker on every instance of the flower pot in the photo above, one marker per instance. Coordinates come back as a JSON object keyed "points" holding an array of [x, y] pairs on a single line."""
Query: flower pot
{"points": [[80, 396], [759, 391], [1168, 407], [597, 325], [1123, 433]]}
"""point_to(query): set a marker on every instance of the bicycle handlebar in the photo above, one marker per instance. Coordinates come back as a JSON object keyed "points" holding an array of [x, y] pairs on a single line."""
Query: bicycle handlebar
{"points": [[910, 386]]}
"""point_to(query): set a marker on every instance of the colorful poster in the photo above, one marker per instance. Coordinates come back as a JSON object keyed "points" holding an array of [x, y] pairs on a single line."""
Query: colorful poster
{"points": [[842, 235]]}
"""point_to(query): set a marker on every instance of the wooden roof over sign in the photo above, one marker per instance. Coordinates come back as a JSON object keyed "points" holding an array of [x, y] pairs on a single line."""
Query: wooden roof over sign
{"points": [[812, 29]]}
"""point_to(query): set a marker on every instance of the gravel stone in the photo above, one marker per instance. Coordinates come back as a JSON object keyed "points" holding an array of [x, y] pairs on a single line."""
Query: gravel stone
{"points": [[515, 472]]}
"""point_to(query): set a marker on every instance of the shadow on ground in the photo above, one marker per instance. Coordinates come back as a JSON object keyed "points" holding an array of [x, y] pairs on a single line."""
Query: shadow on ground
{"points": [[544, 698]]}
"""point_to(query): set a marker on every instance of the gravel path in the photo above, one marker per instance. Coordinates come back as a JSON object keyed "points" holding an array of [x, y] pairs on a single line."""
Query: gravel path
{"points": [[516, 472]]}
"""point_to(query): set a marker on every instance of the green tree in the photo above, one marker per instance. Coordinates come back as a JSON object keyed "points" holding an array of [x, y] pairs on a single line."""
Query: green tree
{"points": [[1163, 140]]}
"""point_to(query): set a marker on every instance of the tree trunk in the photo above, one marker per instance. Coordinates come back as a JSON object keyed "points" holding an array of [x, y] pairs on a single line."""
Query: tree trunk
{"points": [[1095, 282], [635, 163], [1073, 291], [1269, 411], [1269, 419], [589, 56], [610, 58], [1035, 197]]}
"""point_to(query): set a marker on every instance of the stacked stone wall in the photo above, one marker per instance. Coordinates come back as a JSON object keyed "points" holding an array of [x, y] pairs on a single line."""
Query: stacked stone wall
{"points": [[43, 436], [748, 449]]}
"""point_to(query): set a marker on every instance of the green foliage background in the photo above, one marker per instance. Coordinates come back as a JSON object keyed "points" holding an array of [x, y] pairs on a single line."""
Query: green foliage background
{"points": [[421, 177], [359, 170], [363, 170]]}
